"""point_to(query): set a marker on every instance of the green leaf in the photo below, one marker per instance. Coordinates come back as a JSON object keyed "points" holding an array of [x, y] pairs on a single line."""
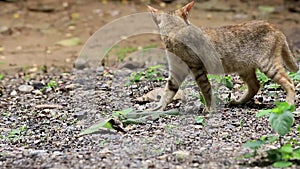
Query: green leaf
{"points": [[247, 155], [94, 128], [228, 82], [298, 127], [122, 113], [272, 86], [295, 76], [1, 76], [253, 144], [199, 120], [272, 139], [281, 123], [286, 148], [283, 106], [296, 154], [282, 164], [266, 9], [147, 48], [69, 42], [263, 113], [202, 100], [274, 155], [262, 78]]}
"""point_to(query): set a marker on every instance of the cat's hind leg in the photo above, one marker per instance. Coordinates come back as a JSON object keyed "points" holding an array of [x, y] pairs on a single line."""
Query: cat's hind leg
{"points": [[275, 71], [249, 77]]}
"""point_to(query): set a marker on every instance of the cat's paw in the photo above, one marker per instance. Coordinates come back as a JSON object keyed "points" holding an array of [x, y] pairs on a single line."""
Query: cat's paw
{"points": [[210, 109], [234, 102]]}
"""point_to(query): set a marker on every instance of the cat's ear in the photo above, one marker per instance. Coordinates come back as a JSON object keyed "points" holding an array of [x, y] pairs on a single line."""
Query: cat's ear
{"points": [[153, 10], [187, 8]]}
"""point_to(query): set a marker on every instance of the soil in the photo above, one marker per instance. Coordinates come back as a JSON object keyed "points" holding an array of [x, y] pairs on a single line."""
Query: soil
{"points": [[45, 102], [28, 37]]}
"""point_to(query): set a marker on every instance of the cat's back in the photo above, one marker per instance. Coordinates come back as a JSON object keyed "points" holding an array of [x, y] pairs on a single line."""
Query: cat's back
{"points": [[242, 44], [249, 31]]}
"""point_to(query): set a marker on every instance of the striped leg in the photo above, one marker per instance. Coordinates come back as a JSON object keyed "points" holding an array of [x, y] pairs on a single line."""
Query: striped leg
{"points": [[178, 71], [200, 76]]}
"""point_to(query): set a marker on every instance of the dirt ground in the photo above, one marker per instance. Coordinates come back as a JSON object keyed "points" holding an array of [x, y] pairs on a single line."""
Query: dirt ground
{"points": [[41, 114], [30, 30]]}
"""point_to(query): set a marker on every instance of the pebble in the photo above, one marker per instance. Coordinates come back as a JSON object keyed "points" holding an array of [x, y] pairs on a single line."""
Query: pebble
{"points": [[37, 92], [25, 88], [182, 155], [13, 93], [81, 64], [80, 115]]}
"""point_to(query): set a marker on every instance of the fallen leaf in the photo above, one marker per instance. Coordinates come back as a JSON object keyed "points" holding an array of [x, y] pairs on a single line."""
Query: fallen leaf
{"points": [[266, 9], [69, 42], [74, 16]]}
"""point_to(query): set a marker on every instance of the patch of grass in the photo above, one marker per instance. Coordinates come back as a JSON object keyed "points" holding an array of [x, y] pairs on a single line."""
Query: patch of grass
{"points": [[152, 74], [147, 48], [123, 52], [169, 128], [17, 134]]}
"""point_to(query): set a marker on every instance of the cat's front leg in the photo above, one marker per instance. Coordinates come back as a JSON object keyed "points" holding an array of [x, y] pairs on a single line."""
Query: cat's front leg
{"points": [[171, 89], [178, 70]]}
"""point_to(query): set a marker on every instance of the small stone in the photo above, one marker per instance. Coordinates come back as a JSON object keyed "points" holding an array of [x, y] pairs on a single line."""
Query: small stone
{"points": [[57, 153], [25, 88], [13, 93], [70, 86], [81, 64], [5, 30], [80, 115], [37, 92], [182, 155], [37, 152], [115, 13]]}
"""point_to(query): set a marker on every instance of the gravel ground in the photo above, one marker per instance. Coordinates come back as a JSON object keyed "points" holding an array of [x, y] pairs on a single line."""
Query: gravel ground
{"points": [[40, 124]]}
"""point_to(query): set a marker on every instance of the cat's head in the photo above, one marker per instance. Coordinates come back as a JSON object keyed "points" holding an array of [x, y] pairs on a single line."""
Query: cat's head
{"points": [[182, 13]]}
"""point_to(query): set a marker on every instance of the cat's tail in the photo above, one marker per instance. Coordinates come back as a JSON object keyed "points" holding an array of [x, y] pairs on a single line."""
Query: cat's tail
{"points": [[288, 58]]}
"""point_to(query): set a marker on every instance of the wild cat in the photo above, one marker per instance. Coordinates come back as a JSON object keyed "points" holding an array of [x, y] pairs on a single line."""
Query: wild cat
{"points": [[240, 49]]}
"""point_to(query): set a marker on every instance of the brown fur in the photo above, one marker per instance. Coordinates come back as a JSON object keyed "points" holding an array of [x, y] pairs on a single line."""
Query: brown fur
{"points": [[240, 49]]}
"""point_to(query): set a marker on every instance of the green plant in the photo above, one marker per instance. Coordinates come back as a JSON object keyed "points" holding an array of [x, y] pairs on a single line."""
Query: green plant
{"points": [[44, 68], [52, 84], [200, 120], [152, 74], [272, 86], [202, 100], [169, 128], [122, 53], [261, 77], [295, 76], [1, 76], [224, 80], [281, 120], [147, 48], [102, 143], [16, 134]]}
